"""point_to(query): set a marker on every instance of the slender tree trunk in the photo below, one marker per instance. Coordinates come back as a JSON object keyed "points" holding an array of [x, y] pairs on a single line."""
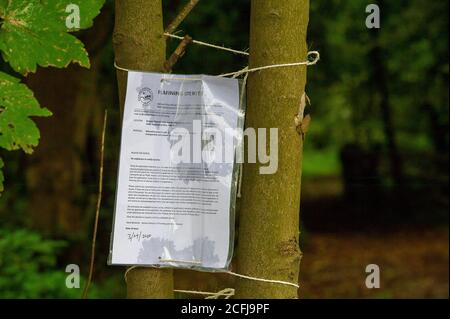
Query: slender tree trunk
{"points": [[269, 218], [380, 79], [139, 45], [438, 127], [380, 87]]}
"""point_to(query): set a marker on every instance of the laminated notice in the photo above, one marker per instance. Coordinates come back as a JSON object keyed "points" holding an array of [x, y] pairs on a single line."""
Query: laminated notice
{"points": [[176, 184]]}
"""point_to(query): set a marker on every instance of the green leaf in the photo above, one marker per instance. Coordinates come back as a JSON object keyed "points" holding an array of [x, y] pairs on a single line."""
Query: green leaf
{"points": [[2, 178], [17, 105], [34, 32]]}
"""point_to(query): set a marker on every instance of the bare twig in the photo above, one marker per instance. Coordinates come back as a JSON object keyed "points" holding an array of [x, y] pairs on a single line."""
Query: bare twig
{"points": [[97, 212], [181, 16], [178, 53]]}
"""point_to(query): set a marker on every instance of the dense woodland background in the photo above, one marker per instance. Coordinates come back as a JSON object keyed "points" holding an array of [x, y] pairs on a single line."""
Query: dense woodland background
{"points": [[375, 172]]}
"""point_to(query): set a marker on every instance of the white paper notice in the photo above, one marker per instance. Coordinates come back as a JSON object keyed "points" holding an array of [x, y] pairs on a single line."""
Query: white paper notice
{"points": [[175, 174]]}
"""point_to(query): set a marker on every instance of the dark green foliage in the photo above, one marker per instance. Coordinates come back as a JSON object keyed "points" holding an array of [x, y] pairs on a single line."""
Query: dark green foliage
{"points": [[28, 266], [29, 269]]}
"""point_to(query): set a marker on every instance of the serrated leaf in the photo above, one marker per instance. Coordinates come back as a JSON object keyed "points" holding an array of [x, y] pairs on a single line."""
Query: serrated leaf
{"points": [[17, 105], [34, 32]]}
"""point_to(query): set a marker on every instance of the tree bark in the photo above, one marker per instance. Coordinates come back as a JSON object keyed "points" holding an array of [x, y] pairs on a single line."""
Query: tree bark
{"points": [[269, 218], [139, 45]]}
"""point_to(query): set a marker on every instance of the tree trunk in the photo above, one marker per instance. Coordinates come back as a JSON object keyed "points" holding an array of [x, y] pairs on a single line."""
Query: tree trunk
{"points": [[269, 218], [380, 87], [139, 45]]}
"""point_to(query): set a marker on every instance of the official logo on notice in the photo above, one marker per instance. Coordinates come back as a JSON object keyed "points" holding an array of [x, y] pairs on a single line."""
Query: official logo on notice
{"points": [[145, 96]]}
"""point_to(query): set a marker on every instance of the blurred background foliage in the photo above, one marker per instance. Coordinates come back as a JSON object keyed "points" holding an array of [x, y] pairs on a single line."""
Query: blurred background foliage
{"points": [[375, 169]]}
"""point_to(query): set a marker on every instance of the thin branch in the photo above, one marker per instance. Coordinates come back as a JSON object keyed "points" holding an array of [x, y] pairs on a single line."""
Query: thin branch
{"points": [[97, 212], [181, 16], [178, 53]]}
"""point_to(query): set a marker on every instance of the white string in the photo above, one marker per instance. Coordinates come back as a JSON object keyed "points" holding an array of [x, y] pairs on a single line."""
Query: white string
{"points": [[280, 282], [122, 69], [246, 70], [180, 261], [236, 274], [218, 47], [127, 271], [227, 293], [312, 58]]}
